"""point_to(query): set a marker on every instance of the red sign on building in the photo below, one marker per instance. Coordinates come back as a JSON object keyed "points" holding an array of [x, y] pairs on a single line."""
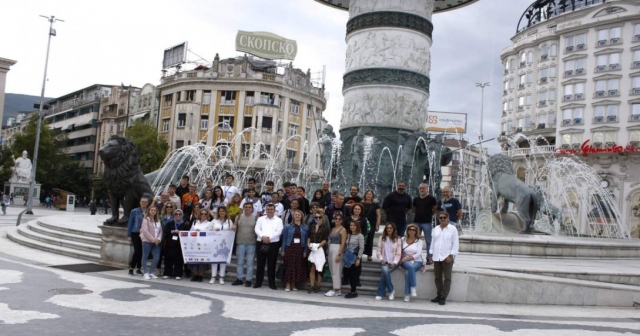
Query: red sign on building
{"points": [[586, 149]]}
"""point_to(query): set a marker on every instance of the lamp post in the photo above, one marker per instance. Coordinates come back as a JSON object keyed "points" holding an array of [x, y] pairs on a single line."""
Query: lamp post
{"points": [[32, 184], [482, 86], [482, 163]]}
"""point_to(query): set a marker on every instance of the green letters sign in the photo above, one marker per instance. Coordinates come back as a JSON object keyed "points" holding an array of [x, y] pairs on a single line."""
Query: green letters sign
{"points": [[266, 45]]}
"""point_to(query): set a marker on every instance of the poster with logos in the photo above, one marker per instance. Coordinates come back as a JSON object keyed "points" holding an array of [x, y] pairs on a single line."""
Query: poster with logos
{"points": [[206, 247], [447, 122]]}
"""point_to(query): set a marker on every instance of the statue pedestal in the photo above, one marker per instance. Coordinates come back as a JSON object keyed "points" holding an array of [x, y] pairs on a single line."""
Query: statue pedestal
{"points": [[116, 249], [20, 191]]}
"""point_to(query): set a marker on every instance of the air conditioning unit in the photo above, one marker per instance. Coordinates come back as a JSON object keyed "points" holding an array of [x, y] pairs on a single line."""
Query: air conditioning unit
{"points": [[541, 126], [544, 57], [578, 95], [610, 144], [613, 92], [634, 144], [637, 38], [519, 129], [543, 80], [570, 48], [612, 118], [602, 43], [503, 133], [601, 67], [568, 97], [577, 121], [521, 86], [599, 93], [504, 92], [580, 46], [568, 73], [579, 71], [520, 108], [597, 144], [635, 90], [636, 64], [615, 66], [566, 122], [598, 119], [575, 145], [615, 40], [522, 64], [635, 117], [543, 103], [565, 146]]}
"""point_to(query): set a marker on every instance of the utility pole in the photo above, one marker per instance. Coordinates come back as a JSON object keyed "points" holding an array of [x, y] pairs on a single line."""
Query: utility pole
{"points": [[34, 169]]}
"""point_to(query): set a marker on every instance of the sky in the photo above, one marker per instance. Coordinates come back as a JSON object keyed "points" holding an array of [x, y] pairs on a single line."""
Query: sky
{"points": [[123, 42]]}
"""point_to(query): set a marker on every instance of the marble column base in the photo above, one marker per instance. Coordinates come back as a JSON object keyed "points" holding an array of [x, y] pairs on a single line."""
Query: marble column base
{"points": [[116, 249]]}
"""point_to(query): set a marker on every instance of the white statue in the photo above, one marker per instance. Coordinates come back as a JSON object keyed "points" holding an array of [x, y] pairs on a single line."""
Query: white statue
{"points": [[22, 169]]}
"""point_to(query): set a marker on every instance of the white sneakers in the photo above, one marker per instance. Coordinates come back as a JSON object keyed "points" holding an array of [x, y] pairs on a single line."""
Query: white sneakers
{"points": [[178, 278], [407, 298], [392, 295], [213, 280], [165, 277], [378, 298], [333, 293], [413, 292], [153, 276], [147, 277], [221, 281]]}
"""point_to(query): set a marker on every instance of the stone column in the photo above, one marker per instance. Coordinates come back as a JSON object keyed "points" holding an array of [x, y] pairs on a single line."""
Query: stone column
{"points": [[5, 66], [386, 84]]}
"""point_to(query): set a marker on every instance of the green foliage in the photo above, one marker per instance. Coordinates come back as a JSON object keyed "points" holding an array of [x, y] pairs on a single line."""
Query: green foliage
{"points": [[6, 162], [100, 190], [150, 145]]}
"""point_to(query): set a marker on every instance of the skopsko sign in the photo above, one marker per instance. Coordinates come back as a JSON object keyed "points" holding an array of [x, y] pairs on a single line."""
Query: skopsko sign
{"points": [[266, 45], [586, 149]]}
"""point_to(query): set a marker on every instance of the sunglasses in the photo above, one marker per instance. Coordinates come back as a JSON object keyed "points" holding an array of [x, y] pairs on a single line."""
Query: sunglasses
{"points": [[442, 217], [338, 218], [411, 230], [318, 217], [168, 206]]}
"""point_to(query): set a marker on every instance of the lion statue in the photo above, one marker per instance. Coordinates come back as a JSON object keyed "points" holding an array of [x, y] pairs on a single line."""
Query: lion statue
{"points": [[505, 184], [124, 179], [551, 211]]}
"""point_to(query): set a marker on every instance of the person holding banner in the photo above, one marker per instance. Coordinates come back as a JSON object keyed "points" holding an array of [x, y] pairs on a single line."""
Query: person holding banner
{"points": [[268, 231], [173, 259], [294, 251], [201, 224], [221, 223], [151, 235]]}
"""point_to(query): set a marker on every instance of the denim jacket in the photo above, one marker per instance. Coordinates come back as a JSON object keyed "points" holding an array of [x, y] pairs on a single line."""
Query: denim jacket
{"points": [[287, 236], [135, 221]]}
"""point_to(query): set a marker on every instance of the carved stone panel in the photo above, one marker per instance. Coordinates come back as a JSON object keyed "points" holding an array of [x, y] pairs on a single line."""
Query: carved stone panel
{"points": [[388, 48], [423, 8], [384, 106], [386, 76]]}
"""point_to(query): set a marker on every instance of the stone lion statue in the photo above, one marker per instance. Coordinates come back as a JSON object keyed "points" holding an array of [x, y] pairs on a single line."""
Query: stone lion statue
{"points": [[124, 179], [505, 184], [551, 211]]}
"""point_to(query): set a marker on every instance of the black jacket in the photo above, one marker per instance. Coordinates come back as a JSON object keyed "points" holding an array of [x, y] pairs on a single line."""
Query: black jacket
{"points": [[172, 247]]}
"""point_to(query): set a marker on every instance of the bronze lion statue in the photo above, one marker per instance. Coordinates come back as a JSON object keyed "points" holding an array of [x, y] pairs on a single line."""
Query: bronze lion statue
{"points": [[505, 184], [124, 179]]}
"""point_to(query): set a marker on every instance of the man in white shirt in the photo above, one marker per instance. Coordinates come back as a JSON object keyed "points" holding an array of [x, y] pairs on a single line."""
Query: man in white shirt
{"points": [[443, 249], [251, 198], [228, 190], [275, 199], [268, 229]]}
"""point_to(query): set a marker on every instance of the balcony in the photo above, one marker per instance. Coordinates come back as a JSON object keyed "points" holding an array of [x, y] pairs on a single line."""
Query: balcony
{"points": [[635, 65], [520, 86], [540, 150], [635, 91], [634, 117], [542, 103]]}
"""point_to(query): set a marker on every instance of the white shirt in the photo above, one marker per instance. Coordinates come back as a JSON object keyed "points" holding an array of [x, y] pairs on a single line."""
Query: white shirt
{"points": [[228, 192], [414, 249], [444, 242], [221, 226], [176, 200], [202, 226], [269, 227], [279, 208], [257, 205]]}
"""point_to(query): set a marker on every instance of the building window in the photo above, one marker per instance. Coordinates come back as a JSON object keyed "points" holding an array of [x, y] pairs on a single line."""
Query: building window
{"points": [[204, 122], [248, 100], [267, 124], [521, 103], [246, 122], [291, 156], [510, 105], [552, 94], [609, 36], [222, 149], [293, 130], [529, 77], [245, 150], [552, 120], [167, 101], [607, 139], [574, 67], [573, 139], [121, 126], [265, 151], [573, 91], [206, 98], [607, 88], [307, 132], [523, 59], [634, 136], [575, 42], [511, 83], [608, 62], [178, 96], [572, 116], [227, 97], [179, 144], [542, 120], [635, 111], [544, 52], [294, 106], [512, 64], [279, 128], [226, 123], [165, 125], [190, 95], [527, 99], [542, 98], [182, 119], [266, 98]]}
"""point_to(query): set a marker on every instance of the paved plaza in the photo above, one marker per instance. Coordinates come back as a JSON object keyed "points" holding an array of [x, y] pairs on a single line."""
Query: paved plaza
{"points": [[37, 299]]}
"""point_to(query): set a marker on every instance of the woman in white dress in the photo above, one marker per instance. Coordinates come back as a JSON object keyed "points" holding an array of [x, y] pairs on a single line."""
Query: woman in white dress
{"points": [[221, 223]]}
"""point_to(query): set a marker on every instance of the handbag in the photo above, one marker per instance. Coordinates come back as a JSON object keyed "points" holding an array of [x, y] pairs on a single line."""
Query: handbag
{"points": [[281, 271], [350, 255], [265, 248]]}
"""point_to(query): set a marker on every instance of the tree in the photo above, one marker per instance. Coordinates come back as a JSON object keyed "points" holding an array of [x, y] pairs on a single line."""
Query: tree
{"points": [[6, 162], [100, 190], [151, 146]]}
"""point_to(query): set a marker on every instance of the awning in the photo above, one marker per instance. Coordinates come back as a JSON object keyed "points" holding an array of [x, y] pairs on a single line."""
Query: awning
{"points": [[90, 122], [139, 116], [68, 127]]}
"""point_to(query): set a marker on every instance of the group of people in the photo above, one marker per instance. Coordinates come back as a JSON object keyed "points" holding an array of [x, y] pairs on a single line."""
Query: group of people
{"points": [[326, 236]]}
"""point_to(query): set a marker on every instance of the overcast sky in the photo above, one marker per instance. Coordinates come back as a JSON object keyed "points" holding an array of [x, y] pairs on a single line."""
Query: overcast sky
{"points": [[123, 41]]}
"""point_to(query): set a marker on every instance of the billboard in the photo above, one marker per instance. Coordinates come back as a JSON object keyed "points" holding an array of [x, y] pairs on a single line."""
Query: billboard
{"points": [[175, 55], [448, 122], [266, 45]]}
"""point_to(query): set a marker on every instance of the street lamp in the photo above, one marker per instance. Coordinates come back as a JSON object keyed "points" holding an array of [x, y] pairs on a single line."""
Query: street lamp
{"points": [[482, 86], [32, 184]]}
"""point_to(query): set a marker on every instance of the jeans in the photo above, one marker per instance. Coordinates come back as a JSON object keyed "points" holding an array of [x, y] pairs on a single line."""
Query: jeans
{"points": [[410, 268], [146, 249], [245, 252], [401, 227], [442, 269], [385, 280], [136, 258], [426, 232]]}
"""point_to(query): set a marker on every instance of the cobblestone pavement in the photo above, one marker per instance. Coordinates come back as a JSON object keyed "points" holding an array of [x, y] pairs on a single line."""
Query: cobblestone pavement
{"points": [[36, 299]]}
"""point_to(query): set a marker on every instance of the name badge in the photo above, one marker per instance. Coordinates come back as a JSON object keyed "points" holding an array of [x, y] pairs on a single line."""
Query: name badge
{"points": [[296, 240], [174, 237]]}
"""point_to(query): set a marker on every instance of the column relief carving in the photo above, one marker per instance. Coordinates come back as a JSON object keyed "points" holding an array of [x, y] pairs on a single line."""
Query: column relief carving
{"points": [[418, 7], [384, 106]]}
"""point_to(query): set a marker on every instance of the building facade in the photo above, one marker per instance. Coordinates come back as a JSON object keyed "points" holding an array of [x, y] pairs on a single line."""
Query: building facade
{"points": [[571, 85], [464, 174], [5, 66], [254, 112], [145, 105]]}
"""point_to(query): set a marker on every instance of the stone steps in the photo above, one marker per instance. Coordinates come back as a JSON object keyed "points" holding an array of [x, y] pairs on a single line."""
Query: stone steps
{"points": [[64, 235], [30, 239], [619, 278], [65, 242]]}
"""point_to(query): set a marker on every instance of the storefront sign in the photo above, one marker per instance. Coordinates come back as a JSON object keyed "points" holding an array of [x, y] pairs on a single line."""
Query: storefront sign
{"points": [[206, 247], [448, 122], [266, 45], [586, 149]]}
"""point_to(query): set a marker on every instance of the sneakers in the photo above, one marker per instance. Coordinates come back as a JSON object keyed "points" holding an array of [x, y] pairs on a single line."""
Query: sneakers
{"points": [[392, 295], [247, 284], [131, 271], [351, 295], [139, 272], [194, 278], [378, 298], [221, 281], [407, 298], [338, 293], [178, 278], [443, 301], [147, 277], [165, 277], [436, 299], [413, 292], [153, 276], [212, 281], [330, 293], [238, 282]]}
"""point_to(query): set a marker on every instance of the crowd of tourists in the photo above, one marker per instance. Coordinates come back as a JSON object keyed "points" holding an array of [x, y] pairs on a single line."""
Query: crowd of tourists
{"points": [[324, 237]]}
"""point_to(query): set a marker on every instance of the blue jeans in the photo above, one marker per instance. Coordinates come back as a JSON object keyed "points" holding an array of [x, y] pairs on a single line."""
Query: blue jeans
{"points": [[146, 249], [426, 232], [245, 252], [385, 280], [410, 269]]}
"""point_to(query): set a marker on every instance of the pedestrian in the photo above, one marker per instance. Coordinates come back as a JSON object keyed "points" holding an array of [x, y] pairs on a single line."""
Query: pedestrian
{"points": [[294, 251], [451, 205], [173, 259], [444, 248], [208, 185], [326, 193], [206, 203], [201, 224], [166, 216], [195, 214], [412, 260], [318, 197], [389, 254], [336, 208], [287, 215], [93, 206], [4, 204], [106, 206], [268, 231], [265, 196], [11, 198], [396, 205], [353, 195], [234, 207], [251, 184], [133, 232], [303, 202], [173, 196], [182, 188], [251, 198], [218, 201], [221, 223], [229, 189], [244, 227], [151, 235], [189, 199], [424, 206], [373, 214], [318, 240], [337, 243], [354, 249], [275, 200]]}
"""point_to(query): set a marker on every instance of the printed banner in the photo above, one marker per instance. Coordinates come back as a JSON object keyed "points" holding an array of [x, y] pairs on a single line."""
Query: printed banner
{"points": [[207, 247], [446, 122]]}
